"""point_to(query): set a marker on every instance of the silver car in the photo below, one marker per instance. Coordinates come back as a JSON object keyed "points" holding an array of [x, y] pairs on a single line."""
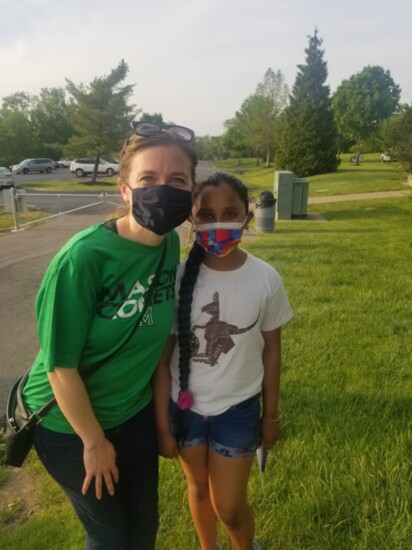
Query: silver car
{"points": [[34, 165], [6, 178]]}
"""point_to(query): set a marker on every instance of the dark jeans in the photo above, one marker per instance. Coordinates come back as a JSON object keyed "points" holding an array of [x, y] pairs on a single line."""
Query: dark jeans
{"points": [[128, 520]]}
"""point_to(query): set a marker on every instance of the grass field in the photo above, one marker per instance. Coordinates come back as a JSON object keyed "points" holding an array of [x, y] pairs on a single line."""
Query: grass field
{"points": [[370, 175], [341, 477]]}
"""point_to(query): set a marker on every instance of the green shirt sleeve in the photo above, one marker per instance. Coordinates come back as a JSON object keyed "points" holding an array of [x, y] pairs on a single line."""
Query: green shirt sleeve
{"points": [[64, 308]]}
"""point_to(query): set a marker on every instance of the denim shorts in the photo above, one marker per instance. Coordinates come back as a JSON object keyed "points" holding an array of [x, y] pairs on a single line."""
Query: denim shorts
{"points": [[234, 433]]}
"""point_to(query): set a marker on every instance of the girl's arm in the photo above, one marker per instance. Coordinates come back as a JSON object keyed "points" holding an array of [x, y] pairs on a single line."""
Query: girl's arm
{"points": [[99, 455], [270, 388], [162, 385]]}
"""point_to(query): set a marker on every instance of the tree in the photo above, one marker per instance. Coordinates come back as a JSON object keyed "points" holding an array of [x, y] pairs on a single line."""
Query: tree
{"points": [[208, 147], [51, 122], [397, 136], [232, 140], [362, 102], [255, 124], [155, 117], [100, 115], [308, 144], [274, 92], [251, 123], [16, 131]]}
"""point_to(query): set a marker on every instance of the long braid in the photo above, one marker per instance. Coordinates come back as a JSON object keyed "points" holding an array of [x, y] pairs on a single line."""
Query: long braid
{"points": [[188, 282], [187, 286]]}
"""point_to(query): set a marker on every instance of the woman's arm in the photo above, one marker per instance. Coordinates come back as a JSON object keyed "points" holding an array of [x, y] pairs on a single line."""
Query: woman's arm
{"points": [[99, 455], [161, 383], [270, 388]]}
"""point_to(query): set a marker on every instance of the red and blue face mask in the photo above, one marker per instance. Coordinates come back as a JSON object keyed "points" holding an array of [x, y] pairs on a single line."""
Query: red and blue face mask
{"points": [[219, 239]]}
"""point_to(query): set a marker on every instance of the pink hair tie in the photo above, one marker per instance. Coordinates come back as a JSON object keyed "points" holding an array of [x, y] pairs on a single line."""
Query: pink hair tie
{"points": [[185, 400]]}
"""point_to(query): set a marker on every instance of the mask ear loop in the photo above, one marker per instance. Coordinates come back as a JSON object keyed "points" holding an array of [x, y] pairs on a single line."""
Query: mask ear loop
{"points": [[245, 224]]}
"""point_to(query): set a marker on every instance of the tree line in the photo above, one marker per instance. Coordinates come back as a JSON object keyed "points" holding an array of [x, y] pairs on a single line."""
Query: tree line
{"points": [[303, 130], [306, 130]]}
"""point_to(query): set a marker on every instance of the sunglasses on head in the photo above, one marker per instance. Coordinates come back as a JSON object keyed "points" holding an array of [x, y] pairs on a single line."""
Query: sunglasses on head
{"points": [[150, 129]]}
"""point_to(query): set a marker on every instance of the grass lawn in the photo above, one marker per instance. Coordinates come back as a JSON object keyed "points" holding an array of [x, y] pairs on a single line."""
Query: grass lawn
{"points": [[108, 184], [341, 476], [371, 175], [7, 219]]}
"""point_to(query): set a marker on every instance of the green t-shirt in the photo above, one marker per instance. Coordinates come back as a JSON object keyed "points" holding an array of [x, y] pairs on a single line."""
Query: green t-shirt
{"points": [[89, 301]]}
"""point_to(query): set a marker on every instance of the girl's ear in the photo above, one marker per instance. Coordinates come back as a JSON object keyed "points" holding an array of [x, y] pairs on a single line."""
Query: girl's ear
{"points": [[249, 217]]}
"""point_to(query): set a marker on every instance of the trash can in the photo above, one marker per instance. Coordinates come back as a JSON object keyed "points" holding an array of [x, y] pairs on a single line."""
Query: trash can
{"points": [[265, 212]]}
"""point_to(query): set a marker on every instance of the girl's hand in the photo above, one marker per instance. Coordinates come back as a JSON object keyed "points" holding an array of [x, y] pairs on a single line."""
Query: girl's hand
{"points": [[100, 463], [168, 447], [270, 433]]}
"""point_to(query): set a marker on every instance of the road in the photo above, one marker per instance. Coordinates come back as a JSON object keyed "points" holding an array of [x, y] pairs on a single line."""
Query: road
{"points": [[63, 174], [24, 257], [60, 174], [63, 201]]}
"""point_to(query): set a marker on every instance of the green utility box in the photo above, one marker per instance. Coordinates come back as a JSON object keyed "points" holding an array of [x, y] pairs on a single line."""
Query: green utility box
{"points": [[291, 194], [300, 198]]}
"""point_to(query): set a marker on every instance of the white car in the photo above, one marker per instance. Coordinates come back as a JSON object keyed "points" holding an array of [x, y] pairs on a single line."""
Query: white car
{"points": [[82, 167]]}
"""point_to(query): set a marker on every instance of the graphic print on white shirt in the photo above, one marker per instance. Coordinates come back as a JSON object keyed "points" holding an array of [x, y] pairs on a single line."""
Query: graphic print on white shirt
{"points": [[217, 335]]}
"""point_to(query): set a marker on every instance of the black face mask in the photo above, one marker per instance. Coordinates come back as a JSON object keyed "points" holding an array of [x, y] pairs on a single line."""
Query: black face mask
{"points": [[160, 208]]}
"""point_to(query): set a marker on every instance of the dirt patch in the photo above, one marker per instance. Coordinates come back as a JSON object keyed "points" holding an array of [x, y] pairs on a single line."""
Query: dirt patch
{"points": [[18, 497]]}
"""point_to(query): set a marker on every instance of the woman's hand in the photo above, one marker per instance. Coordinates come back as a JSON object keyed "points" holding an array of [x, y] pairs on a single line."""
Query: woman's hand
{"points": [[100, 463], [270, 433], [168, 447]]}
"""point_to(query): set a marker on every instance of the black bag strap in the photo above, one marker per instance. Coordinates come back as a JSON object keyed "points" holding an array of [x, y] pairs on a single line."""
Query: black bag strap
{"points": [[41, 413]]}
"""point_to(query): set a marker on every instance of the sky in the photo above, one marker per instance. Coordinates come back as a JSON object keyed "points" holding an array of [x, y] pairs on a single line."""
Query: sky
{"points": [[196, 61]]}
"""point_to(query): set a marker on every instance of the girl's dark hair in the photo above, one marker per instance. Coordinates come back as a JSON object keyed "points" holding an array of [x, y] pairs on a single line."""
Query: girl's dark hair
{"points": [[189, 278], [184, 309], [218, 178]]}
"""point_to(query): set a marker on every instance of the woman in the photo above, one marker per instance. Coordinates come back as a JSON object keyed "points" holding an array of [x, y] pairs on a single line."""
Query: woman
{"points": [[232, 306], [99, 441]]}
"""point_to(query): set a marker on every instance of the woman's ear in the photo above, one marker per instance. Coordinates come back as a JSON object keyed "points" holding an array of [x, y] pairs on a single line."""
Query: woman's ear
{"points": [[124, 188]]}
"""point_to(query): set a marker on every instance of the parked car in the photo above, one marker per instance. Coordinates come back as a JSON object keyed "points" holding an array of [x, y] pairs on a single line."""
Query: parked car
{"points": [[82, 167], [64, 163], [6, 178], [34, 165]]}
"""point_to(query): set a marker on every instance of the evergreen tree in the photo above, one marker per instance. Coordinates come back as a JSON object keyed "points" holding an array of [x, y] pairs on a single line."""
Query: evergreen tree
{"points": [[100, 115], [308, 145]]}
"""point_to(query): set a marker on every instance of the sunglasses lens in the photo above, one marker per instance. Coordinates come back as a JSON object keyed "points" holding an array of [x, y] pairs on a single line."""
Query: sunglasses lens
{"points": [[149, 129], [146, 129], [181, 133]]}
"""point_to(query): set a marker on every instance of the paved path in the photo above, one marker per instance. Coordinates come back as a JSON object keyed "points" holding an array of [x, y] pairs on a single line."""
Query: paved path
{"points": [[359, 196], [24, 257]]}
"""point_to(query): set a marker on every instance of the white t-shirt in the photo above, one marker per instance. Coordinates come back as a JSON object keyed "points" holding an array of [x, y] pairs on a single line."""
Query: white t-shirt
{"points": [[230, 309]]}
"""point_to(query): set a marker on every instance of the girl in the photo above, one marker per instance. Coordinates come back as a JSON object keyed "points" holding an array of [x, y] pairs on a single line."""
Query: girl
{"points": [[231, 309], [99, 441]]}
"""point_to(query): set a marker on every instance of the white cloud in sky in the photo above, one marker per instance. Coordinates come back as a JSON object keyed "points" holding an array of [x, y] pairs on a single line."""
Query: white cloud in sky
{"points": [[195, 62]]}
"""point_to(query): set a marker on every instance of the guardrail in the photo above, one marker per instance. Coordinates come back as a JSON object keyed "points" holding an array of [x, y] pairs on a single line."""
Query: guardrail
{"points": [[16, 202]]}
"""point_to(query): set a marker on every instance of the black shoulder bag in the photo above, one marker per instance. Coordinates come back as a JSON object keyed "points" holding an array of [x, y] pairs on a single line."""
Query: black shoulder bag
{"points": [[20, 422]]}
